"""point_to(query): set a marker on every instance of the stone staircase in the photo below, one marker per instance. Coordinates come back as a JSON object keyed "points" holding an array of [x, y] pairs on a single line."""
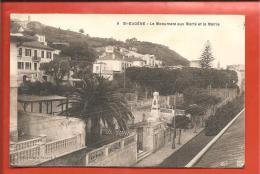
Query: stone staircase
{"points": [[143, 154]]}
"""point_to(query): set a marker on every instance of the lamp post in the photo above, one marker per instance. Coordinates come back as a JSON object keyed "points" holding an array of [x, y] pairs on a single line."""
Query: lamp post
{"points": [[174, 123]]}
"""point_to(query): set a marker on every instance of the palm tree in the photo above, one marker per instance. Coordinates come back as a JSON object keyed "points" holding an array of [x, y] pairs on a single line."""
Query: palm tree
{"points": [[99, 104]]}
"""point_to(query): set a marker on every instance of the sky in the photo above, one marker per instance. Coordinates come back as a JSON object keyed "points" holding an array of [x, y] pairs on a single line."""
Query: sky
{"points": [[188, 36]]}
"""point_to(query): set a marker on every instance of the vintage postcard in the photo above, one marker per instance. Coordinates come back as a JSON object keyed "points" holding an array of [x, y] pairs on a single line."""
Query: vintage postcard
{"points": [[127, 90]]}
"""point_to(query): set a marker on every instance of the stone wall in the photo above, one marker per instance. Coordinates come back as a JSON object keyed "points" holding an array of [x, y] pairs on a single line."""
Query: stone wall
{"points": [[223, 92], [54, 127], [121, 153], [77, 158]]}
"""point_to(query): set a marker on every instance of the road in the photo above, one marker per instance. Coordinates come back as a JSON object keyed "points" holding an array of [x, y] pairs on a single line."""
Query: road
{"points": [[230, 147], [183, 156]]}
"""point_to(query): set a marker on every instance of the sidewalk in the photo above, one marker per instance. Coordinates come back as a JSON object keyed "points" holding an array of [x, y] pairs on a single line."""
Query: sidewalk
{"points": [[156, 158]]}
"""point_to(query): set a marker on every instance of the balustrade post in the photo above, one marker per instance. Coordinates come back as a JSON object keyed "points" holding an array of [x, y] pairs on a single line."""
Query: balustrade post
{"points": [[42, 146], [12, 146], [122, 143], [106, 151], [87, 156], [79, 143]]}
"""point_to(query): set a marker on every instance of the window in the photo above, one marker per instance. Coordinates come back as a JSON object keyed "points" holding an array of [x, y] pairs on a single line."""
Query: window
{"points": [[20, 52], [20, 65], [27, 65], [28, 52], [42, 54], [35, 66], [97, 69], [35, 53], [49, 54]]}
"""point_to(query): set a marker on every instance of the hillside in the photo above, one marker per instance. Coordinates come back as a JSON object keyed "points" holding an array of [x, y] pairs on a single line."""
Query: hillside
{"points": [[170, 57]]}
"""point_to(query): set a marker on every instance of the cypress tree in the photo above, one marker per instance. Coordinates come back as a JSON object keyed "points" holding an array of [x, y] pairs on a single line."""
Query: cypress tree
{"points": [[206, 57]]}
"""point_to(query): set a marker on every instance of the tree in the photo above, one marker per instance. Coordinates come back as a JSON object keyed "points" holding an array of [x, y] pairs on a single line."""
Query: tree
{"points": [[206, 57], [79, 51], [98, 104], [57, 68], [196, 114], [81, 30], [181, 122]]}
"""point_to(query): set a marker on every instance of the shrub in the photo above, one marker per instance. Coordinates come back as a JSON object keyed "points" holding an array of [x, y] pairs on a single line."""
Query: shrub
{"points": [[43, 88]]}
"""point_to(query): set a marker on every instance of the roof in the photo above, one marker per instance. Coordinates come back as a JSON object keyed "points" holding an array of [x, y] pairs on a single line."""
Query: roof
{"points": [[229, 149], [20, 37], [112, 56], [36, 44], [194, 60], [135, 59], [35, 98]]}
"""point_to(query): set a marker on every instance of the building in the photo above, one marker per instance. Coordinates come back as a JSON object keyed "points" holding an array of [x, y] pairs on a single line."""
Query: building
{"points": [[30, 56], [14, 39], [110, 62], [149, 60], [158, 63], [37, 135], [171, 67], [195, 64], [137, 62]]}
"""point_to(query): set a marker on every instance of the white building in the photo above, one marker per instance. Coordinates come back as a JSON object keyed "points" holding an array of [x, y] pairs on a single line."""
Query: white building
{"points": [[30, 56], [110, 62], [158, 63], [137, 62], [37, 135], [195, 64]]}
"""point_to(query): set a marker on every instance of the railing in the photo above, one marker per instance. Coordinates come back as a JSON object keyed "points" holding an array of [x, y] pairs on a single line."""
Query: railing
{"points": [[147, 102], [61, 146], [38, 151], [36, 59], [27, 144], [106, 131], [99, 154], [25, 155]]}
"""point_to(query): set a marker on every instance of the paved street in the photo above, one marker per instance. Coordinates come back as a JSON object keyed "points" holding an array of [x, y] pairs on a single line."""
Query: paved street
{"points": [[164, 156], [183, 156]]}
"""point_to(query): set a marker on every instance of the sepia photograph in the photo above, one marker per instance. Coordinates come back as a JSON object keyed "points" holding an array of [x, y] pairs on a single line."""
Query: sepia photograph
{"points": [[127, 90]]}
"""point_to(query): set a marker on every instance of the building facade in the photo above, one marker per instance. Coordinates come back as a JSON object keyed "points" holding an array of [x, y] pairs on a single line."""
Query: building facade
{"points": [[30, 55]]}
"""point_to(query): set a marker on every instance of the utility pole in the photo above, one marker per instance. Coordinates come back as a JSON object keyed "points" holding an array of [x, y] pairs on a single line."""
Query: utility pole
{"points": [[226, 91], [124, 78], [174, 123]]}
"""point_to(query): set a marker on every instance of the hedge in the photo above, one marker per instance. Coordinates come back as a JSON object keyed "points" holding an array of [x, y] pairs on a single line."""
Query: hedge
{"points": [[223, 115]]}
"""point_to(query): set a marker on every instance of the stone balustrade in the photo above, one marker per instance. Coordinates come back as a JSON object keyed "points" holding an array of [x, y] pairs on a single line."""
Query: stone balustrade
{"points": [[38, 150], [25, 144], [105, 152]]}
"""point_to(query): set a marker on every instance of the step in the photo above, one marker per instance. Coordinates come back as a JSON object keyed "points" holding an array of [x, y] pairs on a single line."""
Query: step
{"points": [[143, 155]]}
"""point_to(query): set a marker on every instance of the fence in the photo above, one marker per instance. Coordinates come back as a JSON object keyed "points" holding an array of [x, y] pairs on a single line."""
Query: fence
{"points": [[61, 146], [146, 103], [106, 131], [38, 150], [106, 151]]}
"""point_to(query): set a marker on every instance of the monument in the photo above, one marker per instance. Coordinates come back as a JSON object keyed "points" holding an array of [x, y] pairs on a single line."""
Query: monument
{"points": [[155, 109]]}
